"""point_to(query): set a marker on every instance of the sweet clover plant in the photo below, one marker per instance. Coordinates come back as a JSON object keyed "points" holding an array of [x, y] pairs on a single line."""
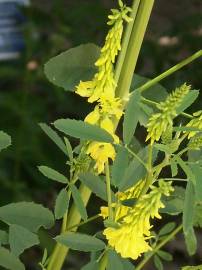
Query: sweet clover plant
{"points": [[110, 162]]}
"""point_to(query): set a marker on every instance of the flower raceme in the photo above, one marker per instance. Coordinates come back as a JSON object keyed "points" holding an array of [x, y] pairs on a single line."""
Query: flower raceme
{"points": [[101, 89], [103, 82], [162, 121], [130, 238]]}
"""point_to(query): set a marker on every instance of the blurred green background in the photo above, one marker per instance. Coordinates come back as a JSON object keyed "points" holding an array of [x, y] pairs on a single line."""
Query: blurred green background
{"points": [[27, 98]]}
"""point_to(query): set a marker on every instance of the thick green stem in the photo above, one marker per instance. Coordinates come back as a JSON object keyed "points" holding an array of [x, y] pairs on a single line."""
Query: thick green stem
{"points": [[170, 71], [121, 57], [60, 251], [103, 262], [158, 247], [134, 46]]}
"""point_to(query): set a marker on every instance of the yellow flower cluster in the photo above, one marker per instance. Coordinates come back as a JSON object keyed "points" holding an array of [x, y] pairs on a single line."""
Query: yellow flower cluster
{"points": [[130, 239], [101, 89], [160, 122], [103, 84], [196, 122], [120, 209]]}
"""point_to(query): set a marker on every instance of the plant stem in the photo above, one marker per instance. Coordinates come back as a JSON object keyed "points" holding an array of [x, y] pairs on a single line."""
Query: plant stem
{"points": [[60, 251], [175, 179], [133, 49], [103, 262], [83, 223], [108, 185], [170, 71], [126, 38], [163, 242]]}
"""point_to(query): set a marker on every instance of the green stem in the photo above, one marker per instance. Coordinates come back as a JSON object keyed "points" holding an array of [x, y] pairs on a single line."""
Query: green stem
{"points": [[170, 71], [109, 196], [175, 179], [60, 251], [133, 48], [126, 39], [158, 247], [103, 262], [84, 222]]}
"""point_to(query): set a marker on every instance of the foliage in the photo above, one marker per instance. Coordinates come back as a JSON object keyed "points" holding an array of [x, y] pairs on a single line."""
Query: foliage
{"points": [[130, 181]]}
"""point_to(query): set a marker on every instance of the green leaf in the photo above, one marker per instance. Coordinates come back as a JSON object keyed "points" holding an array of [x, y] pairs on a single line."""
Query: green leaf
{"points": [[27, 214], [114, 261], [119, 166], [82, 130], [135, 170], [61, 204], [69, 149], [95, 184], [20, 239], [5, 140], [194, 155], [175, 202], [187, 101], [9, 261], [165, 255], [158, 263], [156, 92], [144, 114], [3, 238], [131, 117], [81, 242], [69, 68], [54, 137], [174, 168], [79, 202], [91, 266], [191, 241], [198, 216], [127, 265], [166, 229], [197, 171], [186, 168], [53, 174], [189, 205]]}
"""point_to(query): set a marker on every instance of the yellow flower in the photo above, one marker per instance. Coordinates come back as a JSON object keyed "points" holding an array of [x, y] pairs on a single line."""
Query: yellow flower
{"points": [[196, 122], [103, 81], [130, 238], [120, 209], [93, 117], [127, 240], [101, 152], [112, 106], [85, 89]]}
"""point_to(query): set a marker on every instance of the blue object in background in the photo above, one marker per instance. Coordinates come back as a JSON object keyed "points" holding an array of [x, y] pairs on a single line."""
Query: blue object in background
{"points": [[11, 20]]}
